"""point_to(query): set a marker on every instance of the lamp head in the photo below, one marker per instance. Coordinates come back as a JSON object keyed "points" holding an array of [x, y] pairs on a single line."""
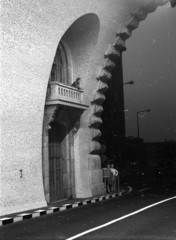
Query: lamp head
{"points": [[131, 82]]}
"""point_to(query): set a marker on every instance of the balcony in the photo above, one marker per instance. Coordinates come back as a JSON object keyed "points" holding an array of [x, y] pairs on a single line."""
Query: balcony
{"points": [[58, 93]]}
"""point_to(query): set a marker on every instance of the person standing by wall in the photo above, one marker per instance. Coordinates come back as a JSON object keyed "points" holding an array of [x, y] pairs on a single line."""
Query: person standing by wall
{"points": [[114, 174]]}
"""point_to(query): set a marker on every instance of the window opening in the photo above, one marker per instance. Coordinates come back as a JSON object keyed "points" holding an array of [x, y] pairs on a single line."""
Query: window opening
{"points": [[59, 71]]}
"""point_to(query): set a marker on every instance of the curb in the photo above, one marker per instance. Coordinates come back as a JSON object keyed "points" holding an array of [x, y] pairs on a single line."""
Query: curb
{"points": [[49, 210]]}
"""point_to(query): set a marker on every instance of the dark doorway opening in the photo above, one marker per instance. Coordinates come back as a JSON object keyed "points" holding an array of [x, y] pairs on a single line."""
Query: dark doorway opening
{"points": [[56, 158]]}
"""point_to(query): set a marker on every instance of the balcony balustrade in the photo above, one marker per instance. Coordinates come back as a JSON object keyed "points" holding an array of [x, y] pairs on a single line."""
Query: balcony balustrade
{"points": [[58, 91]]}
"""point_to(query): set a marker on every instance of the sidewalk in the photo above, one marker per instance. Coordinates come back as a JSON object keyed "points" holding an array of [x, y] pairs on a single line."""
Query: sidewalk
{"points": [[59, 206]]}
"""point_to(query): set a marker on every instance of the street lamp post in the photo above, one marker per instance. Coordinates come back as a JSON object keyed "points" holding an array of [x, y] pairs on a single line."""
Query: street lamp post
{"points": [[148, 110]]}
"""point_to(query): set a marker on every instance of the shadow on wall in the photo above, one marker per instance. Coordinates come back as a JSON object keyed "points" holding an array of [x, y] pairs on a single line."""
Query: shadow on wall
{"points": [[81, 39]]}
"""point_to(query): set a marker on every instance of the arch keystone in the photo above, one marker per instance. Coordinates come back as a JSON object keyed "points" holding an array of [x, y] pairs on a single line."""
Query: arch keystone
{"points": [[95, 134], [140, 14], [104, 75], [95, 147], [98, 98], [95, 121], [109, 65], [112, 53], [120, 44], [124, 33], [150, 7], [97, 109], [102, 87], [133, 23]]}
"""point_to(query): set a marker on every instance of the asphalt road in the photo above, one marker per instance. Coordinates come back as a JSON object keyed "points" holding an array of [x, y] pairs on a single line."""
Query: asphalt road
{"points": [[154, 223]]}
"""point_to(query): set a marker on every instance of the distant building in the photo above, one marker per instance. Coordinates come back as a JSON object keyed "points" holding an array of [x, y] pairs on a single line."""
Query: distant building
{"points": [[113, 116], [50, 133]]}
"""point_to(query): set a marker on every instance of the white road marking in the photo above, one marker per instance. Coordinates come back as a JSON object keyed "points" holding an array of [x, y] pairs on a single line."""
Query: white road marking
{"points": [[144, 189], [119, 219]]}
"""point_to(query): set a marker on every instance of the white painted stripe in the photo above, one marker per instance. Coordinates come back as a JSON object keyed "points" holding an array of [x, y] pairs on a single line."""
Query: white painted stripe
{"points": [[62, 208], [75, 205], [2, 219], [119, 219], [144, 189], [34, 215], [38, 211], [49, 211], [101, 198], [23, 214], [17, 219]]}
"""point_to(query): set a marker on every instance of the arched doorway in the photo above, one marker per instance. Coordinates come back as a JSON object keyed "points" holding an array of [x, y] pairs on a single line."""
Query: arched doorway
{"points": [[64, 105], [63, 109], [60, 125]]}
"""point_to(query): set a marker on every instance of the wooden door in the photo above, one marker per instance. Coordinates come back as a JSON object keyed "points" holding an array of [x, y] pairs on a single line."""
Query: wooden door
{"points": [[57, 135]]}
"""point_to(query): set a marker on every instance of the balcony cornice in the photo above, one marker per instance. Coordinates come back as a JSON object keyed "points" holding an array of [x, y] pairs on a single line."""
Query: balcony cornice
{"points": [[60, 94]]}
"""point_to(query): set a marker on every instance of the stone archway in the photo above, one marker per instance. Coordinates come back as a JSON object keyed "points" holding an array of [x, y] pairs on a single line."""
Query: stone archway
{"points": [[111, 56], [65, 103]]}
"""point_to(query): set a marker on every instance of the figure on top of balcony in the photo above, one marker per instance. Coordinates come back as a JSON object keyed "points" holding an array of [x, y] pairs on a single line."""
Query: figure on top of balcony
{"points": [[76, 84]]}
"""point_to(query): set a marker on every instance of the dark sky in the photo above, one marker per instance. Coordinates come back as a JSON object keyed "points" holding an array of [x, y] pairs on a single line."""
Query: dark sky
{"points": [[150, 61]]}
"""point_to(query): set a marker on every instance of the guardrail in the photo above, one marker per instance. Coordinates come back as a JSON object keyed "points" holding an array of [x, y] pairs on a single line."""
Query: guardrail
{"points": [[60, 91]]}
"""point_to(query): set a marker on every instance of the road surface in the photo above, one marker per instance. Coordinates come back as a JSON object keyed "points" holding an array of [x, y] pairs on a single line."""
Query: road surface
{"points": [[134, 217]]}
